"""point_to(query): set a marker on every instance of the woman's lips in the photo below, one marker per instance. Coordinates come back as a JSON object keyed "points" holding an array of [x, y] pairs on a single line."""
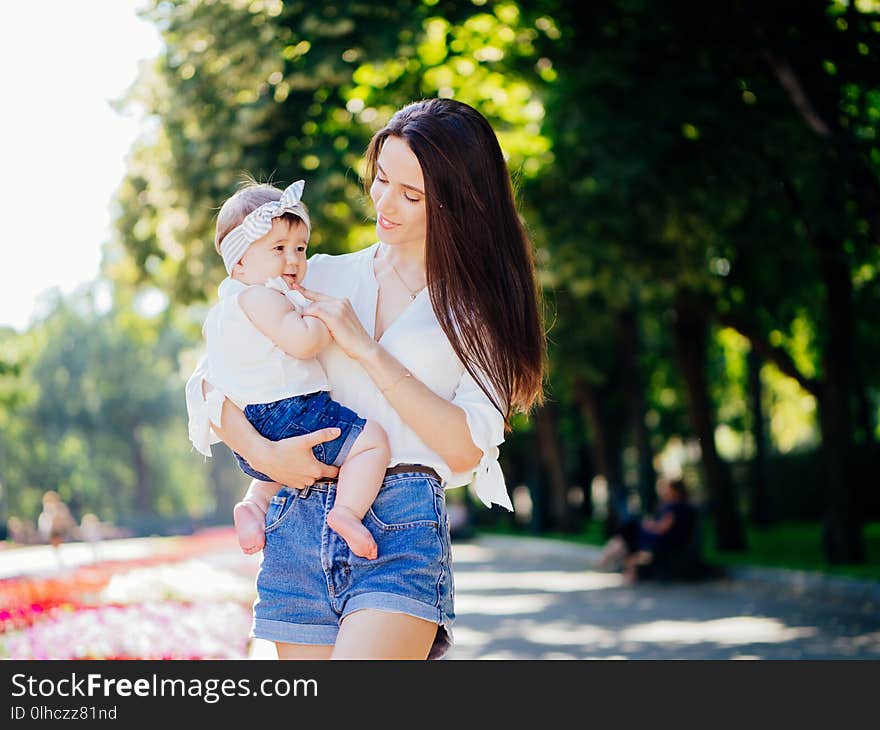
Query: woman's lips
{"points": [[385, 223]]}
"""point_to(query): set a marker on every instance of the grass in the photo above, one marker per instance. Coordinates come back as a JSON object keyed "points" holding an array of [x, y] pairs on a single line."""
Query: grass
{"points": [[795, 546]]}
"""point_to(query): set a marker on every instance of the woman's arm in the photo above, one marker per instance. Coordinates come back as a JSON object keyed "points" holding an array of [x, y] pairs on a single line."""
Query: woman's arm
{"points": [[659, 526], [440, 424], [289, 461]]}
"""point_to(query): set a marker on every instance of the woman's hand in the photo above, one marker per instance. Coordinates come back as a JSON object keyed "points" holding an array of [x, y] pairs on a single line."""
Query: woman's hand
{"points": [[291, 461], [341, 320]]}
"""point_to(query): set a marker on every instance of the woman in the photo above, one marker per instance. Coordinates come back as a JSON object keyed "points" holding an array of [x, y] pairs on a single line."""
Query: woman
{"points": [[437, 337]]}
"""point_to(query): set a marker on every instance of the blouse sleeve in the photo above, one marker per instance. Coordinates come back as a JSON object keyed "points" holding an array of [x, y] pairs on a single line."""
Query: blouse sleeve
{"points": [[486, 425], [202, 410]]}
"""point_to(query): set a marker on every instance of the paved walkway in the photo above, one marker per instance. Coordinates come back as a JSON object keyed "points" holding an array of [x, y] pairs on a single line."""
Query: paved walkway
{"points": [[44, 560], [530, 598]]}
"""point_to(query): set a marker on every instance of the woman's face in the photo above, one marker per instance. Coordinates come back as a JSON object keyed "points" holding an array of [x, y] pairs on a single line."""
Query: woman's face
{"points": [[398, 193]]}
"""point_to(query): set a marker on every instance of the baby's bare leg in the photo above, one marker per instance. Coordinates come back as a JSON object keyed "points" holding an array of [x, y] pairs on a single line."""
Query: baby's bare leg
{"points": [[249, 515], [360, 478]]}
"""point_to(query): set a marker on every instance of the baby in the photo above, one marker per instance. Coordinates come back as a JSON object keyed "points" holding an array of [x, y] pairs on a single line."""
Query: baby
{"points": [[260, 353]]}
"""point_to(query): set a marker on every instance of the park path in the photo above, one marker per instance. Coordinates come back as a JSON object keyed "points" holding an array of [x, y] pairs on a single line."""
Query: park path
{"points": [[532, 598]]}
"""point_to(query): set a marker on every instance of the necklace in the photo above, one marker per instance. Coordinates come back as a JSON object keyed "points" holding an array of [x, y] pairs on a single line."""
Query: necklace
{"points": [[412, 294]]}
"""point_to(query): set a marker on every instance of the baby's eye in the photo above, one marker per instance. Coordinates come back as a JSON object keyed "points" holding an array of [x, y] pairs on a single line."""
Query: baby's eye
{"points": [[279, 247], [301, 249]]}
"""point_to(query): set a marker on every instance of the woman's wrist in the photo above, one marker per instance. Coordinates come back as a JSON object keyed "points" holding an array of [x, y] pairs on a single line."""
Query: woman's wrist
{"points": [[384, 369], [258, 451], [371, 356], [266, 454]]}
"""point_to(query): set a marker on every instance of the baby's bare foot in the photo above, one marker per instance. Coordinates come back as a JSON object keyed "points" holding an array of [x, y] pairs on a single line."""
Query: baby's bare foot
{"points": [[249, 521], [352, 530]]}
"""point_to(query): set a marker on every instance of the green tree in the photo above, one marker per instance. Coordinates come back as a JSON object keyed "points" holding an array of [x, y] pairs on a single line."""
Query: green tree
{"points": [[728, 156], [283, 90], [103, 422]]}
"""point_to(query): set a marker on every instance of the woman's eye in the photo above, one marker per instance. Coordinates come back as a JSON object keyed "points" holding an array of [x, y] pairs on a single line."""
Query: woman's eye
{"points": [[411, 200]]}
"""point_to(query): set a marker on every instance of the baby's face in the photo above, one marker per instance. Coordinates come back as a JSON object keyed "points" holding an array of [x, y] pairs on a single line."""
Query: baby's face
{"points": [[281, 252]]}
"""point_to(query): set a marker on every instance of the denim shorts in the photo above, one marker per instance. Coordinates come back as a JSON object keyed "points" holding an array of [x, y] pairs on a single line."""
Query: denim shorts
{"points": [[302, 414], [309, 580]]}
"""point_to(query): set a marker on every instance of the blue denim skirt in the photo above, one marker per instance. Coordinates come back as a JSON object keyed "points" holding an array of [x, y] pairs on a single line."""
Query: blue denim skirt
{"points": [[309, 580]]}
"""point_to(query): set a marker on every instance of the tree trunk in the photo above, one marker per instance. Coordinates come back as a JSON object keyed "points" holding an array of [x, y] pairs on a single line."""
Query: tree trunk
{"points": [[552, 466], [633, 387], [606, 441], [585, 474], [863, 408], [759, 509], [691, 333], [537, 487], [143, 488], [842, 537]]}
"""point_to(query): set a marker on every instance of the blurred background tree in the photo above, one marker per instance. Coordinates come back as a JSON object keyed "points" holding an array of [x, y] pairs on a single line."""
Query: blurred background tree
{"points": [[701, 185]]}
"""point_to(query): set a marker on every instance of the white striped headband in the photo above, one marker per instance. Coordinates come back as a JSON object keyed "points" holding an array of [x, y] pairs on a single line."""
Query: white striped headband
{"points": [[259, 222]]}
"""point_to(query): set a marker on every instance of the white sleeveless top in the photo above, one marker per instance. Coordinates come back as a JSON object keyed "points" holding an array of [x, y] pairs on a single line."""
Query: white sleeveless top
{"points": [[416, 339], [246, 366]]}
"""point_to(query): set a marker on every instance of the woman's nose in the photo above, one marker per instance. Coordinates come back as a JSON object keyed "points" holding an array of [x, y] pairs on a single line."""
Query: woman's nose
{"points": [[384, 203]]}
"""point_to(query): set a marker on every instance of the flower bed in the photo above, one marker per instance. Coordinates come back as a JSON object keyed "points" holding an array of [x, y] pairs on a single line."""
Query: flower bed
{"points": [[168, 630], [172, 605]]}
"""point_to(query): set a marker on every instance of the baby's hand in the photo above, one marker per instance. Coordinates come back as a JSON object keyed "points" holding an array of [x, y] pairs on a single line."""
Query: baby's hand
{"points": [[342, 321]]}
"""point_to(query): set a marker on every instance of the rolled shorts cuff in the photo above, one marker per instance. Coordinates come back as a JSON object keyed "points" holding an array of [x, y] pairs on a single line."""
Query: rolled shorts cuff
{"points": [[293, 633], [393, 603], [356, 429]]}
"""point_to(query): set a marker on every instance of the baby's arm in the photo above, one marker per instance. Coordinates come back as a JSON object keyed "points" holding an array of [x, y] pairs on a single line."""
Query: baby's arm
{"points": [[274, 315]]}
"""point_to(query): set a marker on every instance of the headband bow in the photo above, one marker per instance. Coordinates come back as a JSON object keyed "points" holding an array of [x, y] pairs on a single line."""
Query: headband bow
{"points": [[258, 223]]}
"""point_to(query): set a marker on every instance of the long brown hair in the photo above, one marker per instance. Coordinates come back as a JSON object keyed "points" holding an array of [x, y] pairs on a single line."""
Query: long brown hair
{"points": [[480, 267]]}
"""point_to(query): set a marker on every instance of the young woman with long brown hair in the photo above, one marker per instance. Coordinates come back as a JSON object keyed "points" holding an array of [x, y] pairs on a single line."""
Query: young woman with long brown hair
{"points": [[438, 337]]}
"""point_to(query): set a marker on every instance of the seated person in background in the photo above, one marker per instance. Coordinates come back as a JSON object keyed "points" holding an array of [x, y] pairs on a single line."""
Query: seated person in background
{"points": [[21, 532], [645, 541]]}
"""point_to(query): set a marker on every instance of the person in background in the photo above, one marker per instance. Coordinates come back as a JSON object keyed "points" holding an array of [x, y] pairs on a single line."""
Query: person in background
{"points": [[641, 542], [55, 523], [21, 532]]}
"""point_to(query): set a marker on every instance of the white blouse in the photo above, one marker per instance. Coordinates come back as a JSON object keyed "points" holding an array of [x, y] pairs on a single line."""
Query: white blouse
{"points": [[416, 339]]}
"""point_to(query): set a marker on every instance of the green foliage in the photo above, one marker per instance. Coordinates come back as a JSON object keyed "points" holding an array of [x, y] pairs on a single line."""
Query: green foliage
{"points": [[103, 423], [282, 91], [797, 546]]}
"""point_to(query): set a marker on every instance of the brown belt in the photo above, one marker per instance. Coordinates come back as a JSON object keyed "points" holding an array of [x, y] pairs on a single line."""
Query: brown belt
{"points": [[402, 469], [413, 468]]}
